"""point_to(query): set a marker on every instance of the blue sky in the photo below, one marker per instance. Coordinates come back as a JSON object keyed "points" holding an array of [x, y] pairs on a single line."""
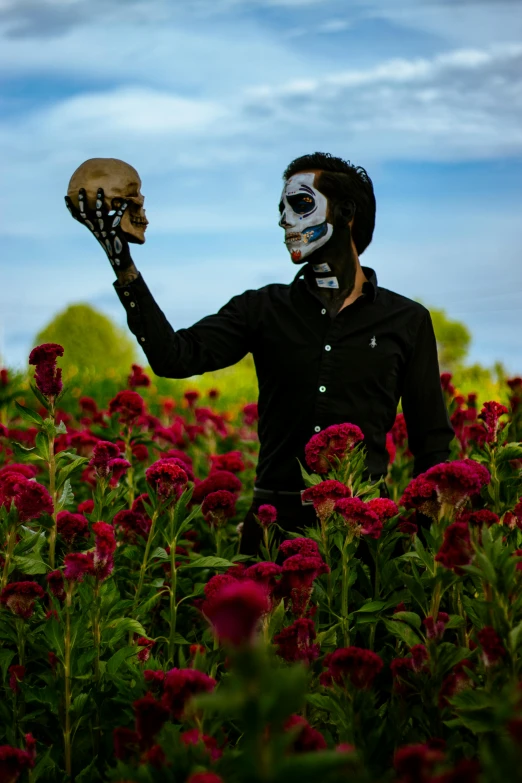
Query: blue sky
{"points": [[211, 99]]}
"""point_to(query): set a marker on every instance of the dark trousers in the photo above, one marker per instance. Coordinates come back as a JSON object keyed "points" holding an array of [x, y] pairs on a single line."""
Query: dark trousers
{"points": [[292, 516]]}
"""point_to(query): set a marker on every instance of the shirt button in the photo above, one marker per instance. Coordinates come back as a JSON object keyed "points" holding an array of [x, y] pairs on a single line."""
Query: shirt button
{"points": [[327, 347], [322, 388], [317, 429], [133, 304], [323, 311], [142, 339], [126, 293]]}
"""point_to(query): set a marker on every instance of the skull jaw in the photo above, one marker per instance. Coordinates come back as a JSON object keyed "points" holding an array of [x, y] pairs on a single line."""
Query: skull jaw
{"points": [[134, 233]]}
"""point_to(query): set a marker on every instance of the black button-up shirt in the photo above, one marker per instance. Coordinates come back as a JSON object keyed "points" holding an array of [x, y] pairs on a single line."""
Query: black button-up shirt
{"points": [[313, 370]]}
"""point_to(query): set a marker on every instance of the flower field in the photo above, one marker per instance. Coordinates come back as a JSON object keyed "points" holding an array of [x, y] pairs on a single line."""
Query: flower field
{"points": [[382, 644]]}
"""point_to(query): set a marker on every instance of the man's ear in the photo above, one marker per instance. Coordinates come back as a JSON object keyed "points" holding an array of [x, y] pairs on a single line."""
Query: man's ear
{"points": [[344, 212]]}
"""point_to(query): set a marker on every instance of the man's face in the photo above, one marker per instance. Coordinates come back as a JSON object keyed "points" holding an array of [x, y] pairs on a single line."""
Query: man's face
{"points": [[303, 211]]}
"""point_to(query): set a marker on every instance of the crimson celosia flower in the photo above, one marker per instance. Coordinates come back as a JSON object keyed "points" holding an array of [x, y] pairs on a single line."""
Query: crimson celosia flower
{"points": [[265, 574], [478, 518], [331, 444], [27, 471], [402, 670], [213, 394], [307, 738], [118, 468], [30, 498], [195, 737], [419, 656], [267, 514], [154, 678], [455, 682], [13, 762], [155, 756], [103, 453], [105, 545], [359, 517], [4, 376], [383, 507], [231, 461], [71, 526], [455, 481], [359, 667], [421, 494], [48, 377], [490, 415], [212, 421], [217, 582], [407, 525], [235, 610], [138, 377], [250, 413], [131, 524], [205, 777], [416, 763], [20, 597], [169, 480], [17, 674], [147, 645], [518, 553], [85, 507], [77, 565], [218, 507], [324, 497], [435, 628], [399, 431], [180, 464], [56, 586], [191, 395], [299, 546], [391, 448], [298, 575], [492, 648], [150, 715], [295, 642], [130, 406], [445, 382], [221, 479], [456, 547], [126, 742], [180, 685]]}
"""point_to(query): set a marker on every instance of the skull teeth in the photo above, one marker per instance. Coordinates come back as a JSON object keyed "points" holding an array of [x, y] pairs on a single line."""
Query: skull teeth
{"points": [[139, 222]]}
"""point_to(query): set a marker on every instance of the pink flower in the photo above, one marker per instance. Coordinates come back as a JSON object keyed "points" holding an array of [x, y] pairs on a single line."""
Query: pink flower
{"points": [[13, 762], [307, 739], [235, 611], [324, 449], [17, 673], [218, 507], [421, 494], [221, 479], [180, 685], [267, 514], [205, 777], [130, 406], [85, 507], [295, 642], [20, 597], [147, 645], [265, 574], [150, 715], [492, 648], [138, 377], [195, 737], [456, 481], [48, 377], [55, 581], [250, 413], [359, 517], [71, 526], [231, 461], [324, 497], [298, 575], [399, 431], [456, 548], [445, 382], [455, 682], [30, 498], [356, 665], [407, 525], [103, 453], [435, 628], [391, 448], [191, 395], [383, 507], [105, 545], [169, 480], [299, 546], [478, 518], [416, 763], [78, 565], [131, 524], [27, 471], [118, 468], [490, 414]]}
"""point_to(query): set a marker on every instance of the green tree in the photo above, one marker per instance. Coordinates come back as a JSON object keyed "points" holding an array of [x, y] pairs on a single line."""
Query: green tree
{"points": [[453, 339], [92, 342]]}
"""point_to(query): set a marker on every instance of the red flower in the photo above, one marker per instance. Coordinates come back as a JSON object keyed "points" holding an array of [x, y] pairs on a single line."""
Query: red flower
{"points": [[53, 660], [492, 648], [359, 517], [455, 481], [231, 461], [490, 414], [126, 743], [478, 518], [56, 586], [250, 413], [105, 542], [20, 597], [217, 582], [407, 525], [78, 565], [180, 685], [4, 376], [138, 377], [307, 739], [48, 377], [17, 673], [267, 514], [140, 452], [295, 642], [445, 382], [221, 479], [169, 480], [299, 546], [518, 553], [150, 715], [103, 453], [218, 507], [435, 628], [299, 573], [399, 431], [180, 464], [195, 737], [72, 526], [356, 665], [27, 471], [85, 507], [118, 468], [421, 494], [383, 507], [129, 404], [324, 496], [265, 575], [391, 448], [416, 763], [31, 499], [13, 762], [456, 548], [235, 611], [131, 524], [205, 777], [191, 395], [331, 444], [455, 682]]}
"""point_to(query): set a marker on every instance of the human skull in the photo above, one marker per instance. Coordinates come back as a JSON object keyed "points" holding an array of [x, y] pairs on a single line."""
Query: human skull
{"points": [[120, 182], [303, 209]]}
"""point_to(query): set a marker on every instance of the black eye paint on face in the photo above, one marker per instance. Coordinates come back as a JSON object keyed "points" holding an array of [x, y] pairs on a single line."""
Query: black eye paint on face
{"points": [[302, 203], [281, 207]]}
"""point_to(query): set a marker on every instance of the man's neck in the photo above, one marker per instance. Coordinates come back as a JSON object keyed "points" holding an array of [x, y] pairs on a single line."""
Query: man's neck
{"points": [[345, 266]]}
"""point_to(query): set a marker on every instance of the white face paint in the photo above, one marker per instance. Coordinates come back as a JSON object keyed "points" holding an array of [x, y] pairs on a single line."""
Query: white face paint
{"points": [[303, 216]]}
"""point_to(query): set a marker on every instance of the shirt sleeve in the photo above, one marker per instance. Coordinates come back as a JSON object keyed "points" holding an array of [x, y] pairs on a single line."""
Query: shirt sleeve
{"points": [[212, 343], [429, 429]]}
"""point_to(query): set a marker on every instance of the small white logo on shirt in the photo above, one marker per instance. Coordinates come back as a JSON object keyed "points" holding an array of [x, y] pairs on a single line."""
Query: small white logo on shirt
{"points": [[373, 342]]}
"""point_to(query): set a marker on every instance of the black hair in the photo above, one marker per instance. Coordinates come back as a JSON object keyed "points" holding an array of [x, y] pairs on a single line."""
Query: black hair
{"points": [[341, 181]]}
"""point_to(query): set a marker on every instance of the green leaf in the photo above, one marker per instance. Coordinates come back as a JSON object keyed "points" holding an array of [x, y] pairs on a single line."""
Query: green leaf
{"points": [[402, 631], [515, 636], [310, 479], [322, 702], [411, 618], [328, 638], [31, 565], [208, 562], [67, 496], [113, 632], [69, 469], [42, 444], [39, 396], [6, 656], [277, 619], [416, 590], [121, 655], [29, 415], [159, 554], [371, 606], [60, 429]]}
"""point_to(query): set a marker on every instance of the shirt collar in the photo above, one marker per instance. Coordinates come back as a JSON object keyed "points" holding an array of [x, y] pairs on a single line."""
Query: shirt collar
{"points": [[370, 287]]}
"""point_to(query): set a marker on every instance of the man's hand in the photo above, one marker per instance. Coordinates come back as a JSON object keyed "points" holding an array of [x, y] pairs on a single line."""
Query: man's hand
{"points": [[106, 227]]}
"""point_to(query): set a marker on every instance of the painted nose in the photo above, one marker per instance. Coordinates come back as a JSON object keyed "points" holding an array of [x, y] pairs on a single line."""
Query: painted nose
{"points": [[284, 223]]}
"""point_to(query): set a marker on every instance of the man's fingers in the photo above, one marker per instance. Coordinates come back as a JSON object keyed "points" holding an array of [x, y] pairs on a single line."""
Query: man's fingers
{"points": [[72, 209]]}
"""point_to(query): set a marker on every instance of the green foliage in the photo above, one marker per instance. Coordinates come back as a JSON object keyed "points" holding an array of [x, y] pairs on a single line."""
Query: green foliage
{"points": [[91, 340]]}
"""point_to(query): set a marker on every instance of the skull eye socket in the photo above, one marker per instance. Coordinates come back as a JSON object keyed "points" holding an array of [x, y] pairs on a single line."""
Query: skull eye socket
{"points": [[301, 203]]}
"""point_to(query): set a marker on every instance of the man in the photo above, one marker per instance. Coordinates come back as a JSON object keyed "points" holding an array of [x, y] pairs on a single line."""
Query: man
{"points": [[330, 347]]}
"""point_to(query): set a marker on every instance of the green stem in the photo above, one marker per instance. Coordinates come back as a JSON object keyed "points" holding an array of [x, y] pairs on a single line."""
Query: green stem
{"points": [[96, 629], [344, 594], [130, 472], [52, 492], [67, 677], [173, 604], [11, 541], [143, 566]]}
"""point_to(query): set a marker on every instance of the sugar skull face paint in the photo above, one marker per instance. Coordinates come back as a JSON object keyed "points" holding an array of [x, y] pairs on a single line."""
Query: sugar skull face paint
{"points": [[303, 216]]}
